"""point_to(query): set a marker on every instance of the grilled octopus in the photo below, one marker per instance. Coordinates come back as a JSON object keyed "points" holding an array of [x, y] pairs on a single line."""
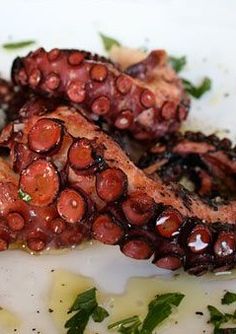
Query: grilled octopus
{"points": [[12, 98], [141, 101], [76, 183], [205, 162], [67, 181]]}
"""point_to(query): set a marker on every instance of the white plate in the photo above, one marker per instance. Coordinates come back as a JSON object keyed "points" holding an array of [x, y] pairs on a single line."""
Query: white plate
{"points": [[202, 30]]}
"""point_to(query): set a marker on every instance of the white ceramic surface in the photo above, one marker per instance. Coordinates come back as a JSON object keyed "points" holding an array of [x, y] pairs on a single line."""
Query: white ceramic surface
{"points": [[202, 30]]}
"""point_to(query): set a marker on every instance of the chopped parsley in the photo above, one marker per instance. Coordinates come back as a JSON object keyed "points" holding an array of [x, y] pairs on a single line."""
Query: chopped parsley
{"points": [[84, 306], [108, 42], [99, 314], [197, 91], [159, 309], [228, 298], [218, 318], [177, 63], [24, 196], [127, 326], [18, 45]]}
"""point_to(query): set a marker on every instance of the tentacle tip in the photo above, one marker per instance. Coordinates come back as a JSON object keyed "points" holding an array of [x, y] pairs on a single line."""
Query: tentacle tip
{"points": [[16, 67]]}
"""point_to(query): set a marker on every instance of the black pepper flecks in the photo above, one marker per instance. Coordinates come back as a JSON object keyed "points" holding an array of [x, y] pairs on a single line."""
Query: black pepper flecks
{"points": [[199, 313]]}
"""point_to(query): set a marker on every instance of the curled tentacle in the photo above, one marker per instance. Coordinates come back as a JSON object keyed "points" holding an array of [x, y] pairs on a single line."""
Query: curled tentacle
{"points": [[142, 108], [155, 71], [100, 194]]}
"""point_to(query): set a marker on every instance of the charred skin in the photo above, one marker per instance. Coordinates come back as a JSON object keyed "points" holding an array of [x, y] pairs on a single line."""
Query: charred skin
{"points": [[138, 107], [15, 101], [12, 98], [207, 162], [109, 199]]}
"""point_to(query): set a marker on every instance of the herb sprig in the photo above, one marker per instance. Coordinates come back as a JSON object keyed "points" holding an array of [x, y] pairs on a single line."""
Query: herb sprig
{"points": [[228, 298], [18, 45], [84, 307], [178, 63], [218, 318], [197, 91], [108, 42], [159, 309], [127, 326]]}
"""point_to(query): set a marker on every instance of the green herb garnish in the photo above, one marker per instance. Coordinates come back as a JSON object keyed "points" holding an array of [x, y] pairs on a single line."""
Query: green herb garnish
{"points": [[127, 326], [177, 63], [18, 45], [218, 318], [85, 306], [24, 196], [228, 298], [78, 322], [99, 314], [159, 309], [85, 300], [197, 91], [108, 42]]}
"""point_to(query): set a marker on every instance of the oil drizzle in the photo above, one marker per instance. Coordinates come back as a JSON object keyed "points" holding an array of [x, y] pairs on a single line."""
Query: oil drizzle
{"points": [[192, 313], [9, 322]]}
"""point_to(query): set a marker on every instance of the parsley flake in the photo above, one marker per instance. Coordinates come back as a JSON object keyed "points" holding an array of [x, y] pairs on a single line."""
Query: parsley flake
{"points": [[159, 309], [17, 45], [197, 91], [177, 63], [108, 42], [24, 196], [84, 306], [99, 314], [228, 298], [127, 326], [217, 318]]}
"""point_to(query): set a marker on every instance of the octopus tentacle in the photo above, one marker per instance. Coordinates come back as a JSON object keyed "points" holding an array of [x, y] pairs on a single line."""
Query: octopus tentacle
{"points": [[158, 74], [129, 104], [14, 101], [12, 98], [115, 203], [207, 162]]}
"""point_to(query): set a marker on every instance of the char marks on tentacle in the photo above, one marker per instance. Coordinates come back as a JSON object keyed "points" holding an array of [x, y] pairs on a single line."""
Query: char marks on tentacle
{"points": [[142, 108], [96, 192], [203, 164], [12, 98]]}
